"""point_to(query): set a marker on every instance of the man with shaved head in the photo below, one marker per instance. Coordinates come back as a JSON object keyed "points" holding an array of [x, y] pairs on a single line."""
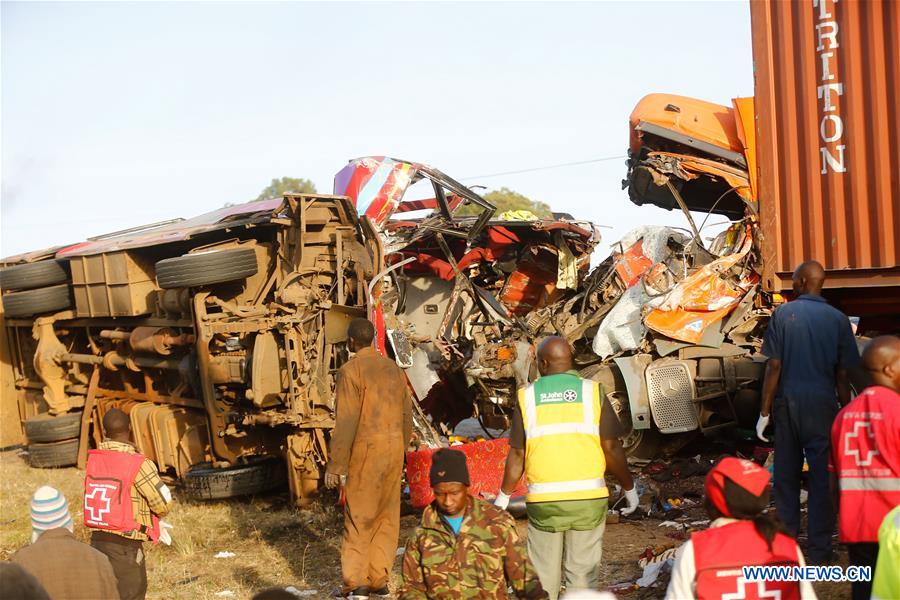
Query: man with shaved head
{"points": [[372, 427], [564, 436], [810, 347], [865, 442]]}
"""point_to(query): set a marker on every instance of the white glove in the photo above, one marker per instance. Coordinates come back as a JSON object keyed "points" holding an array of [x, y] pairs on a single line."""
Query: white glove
{"points": [[502, 500], [632, 499], [761, 425], [164, 536]]}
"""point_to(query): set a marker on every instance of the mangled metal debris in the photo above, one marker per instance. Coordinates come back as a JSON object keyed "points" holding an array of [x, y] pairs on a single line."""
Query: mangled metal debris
{"points": [[224, 331]]}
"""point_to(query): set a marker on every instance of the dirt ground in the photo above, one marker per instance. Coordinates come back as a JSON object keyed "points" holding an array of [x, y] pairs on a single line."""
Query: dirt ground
{"points": [[275, 544]]}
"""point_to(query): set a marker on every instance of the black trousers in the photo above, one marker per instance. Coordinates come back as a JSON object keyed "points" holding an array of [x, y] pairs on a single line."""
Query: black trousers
{"points": [[803, 427], [127, 560], [863, 554]]}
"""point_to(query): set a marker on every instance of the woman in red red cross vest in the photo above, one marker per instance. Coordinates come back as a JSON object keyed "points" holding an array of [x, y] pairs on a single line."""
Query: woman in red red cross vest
{"points": [[709, 565]]}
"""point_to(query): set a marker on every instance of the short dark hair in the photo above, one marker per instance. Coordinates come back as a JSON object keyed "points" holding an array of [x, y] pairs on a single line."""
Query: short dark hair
{"points": [[18, 584], [361, 330], [115, 421], [274, 593]]}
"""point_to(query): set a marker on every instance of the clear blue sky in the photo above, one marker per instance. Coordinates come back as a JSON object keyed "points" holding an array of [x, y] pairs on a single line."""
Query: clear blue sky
{"points": [[119, 114]]}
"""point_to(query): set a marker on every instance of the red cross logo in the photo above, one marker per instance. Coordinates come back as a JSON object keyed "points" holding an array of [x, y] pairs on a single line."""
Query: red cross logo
{"points": [[860, 447], [97, 507], [745, 591]]}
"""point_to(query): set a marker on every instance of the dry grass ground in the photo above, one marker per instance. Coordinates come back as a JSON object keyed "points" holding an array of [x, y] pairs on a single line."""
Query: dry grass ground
{"points": [[275, 544]]}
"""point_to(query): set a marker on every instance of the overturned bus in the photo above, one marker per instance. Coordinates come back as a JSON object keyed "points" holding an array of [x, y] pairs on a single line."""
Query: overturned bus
{"points": [[220, 335]]}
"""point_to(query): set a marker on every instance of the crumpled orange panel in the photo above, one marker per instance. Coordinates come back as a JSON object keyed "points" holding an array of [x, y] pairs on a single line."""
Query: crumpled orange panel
{"points": [[632, 264], [701, 299], [684, 325], [707, 293]]}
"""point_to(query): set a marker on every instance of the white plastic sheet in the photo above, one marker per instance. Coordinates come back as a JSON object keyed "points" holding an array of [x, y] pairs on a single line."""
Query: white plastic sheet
{"points": [[623, 327]]}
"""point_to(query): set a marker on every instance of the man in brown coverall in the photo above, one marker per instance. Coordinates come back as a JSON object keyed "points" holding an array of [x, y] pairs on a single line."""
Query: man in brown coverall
{"points": [[373, 426]]}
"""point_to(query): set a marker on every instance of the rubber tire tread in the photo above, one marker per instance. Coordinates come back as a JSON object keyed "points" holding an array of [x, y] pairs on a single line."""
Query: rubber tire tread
{"points": [[34, 302], [45, 428], [53, 455], [216, 484], [193, 270], [29, 276]]}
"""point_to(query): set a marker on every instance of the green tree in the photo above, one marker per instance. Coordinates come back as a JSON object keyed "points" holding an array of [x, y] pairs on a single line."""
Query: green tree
{"points": [[505, 199], [287, 185]]}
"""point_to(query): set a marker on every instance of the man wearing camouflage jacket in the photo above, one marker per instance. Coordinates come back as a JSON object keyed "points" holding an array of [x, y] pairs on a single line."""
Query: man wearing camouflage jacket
{"points": [[465, 548]]}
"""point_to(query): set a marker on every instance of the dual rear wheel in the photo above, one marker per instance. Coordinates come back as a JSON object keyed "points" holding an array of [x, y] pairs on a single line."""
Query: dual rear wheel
{"points": [[35, 288]]}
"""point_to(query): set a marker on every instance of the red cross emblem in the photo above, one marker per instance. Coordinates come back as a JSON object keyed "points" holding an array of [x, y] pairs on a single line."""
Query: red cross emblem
{"points": [[97, 504], [860, 444], [747, 590]]}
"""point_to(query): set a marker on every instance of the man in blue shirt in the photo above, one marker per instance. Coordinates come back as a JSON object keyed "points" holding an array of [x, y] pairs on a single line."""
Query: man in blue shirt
{"points": [[810, 346]]}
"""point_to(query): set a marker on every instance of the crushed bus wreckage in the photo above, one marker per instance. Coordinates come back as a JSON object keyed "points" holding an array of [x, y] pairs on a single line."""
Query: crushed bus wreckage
{"points": [[220, 335], [461, 300]]}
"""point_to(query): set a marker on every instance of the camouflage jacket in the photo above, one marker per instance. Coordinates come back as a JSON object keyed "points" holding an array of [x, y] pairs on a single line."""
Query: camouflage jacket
{"points": [[479, 563]]}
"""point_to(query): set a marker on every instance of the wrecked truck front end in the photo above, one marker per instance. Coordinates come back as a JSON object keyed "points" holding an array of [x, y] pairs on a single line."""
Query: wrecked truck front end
{"points": [[679, 317]]}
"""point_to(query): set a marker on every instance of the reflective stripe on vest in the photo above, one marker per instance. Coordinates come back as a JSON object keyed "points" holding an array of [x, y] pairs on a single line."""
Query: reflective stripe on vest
{"points": [[884, 484], [566, 486], [563, 459]]}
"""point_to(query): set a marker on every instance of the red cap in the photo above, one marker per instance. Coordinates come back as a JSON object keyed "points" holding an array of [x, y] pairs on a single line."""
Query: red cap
{"points": [[743, 473]]}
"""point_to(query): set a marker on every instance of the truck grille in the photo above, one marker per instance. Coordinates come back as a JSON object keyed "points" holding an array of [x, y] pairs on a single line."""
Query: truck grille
{"points": [[671, 391]]}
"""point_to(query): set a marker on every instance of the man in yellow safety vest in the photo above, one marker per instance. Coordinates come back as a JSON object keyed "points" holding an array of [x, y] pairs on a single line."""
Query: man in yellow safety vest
{"points": [[563, 436]]}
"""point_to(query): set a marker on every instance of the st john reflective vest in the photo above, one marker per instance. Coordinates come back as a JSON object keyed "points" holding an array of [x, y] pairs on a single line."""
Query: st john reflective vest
{"points": [[108, 479], [563, 456], [720, 552], [865, 446]]}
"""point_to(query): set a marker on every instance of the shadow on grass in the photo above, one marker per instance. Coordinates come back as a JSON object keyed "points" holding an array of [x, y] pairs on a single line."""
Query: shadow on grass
{"points": [[307, 540]]}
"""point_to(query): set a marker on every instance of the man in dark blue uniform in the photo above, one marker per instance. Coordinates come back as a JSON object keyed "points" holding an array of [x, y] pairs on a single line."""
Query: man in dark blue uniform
{"points": [[810, 346]]}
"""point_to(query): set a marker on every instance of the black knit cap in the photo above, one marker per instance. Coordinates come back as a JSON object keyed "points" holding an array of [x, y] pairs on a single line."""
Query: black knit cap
{"points": [[448, 466]]}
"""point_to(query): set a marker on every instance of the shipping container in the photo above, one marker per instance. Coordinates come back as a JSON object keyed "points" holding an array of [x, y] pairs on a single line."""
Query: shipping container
{"points": [[827, 81]]}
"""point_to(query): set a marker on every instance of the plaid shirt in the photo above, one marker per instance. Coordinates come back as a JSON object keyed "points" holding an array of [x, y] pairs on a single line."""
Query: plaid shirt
{"points": [[147, 495]]}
